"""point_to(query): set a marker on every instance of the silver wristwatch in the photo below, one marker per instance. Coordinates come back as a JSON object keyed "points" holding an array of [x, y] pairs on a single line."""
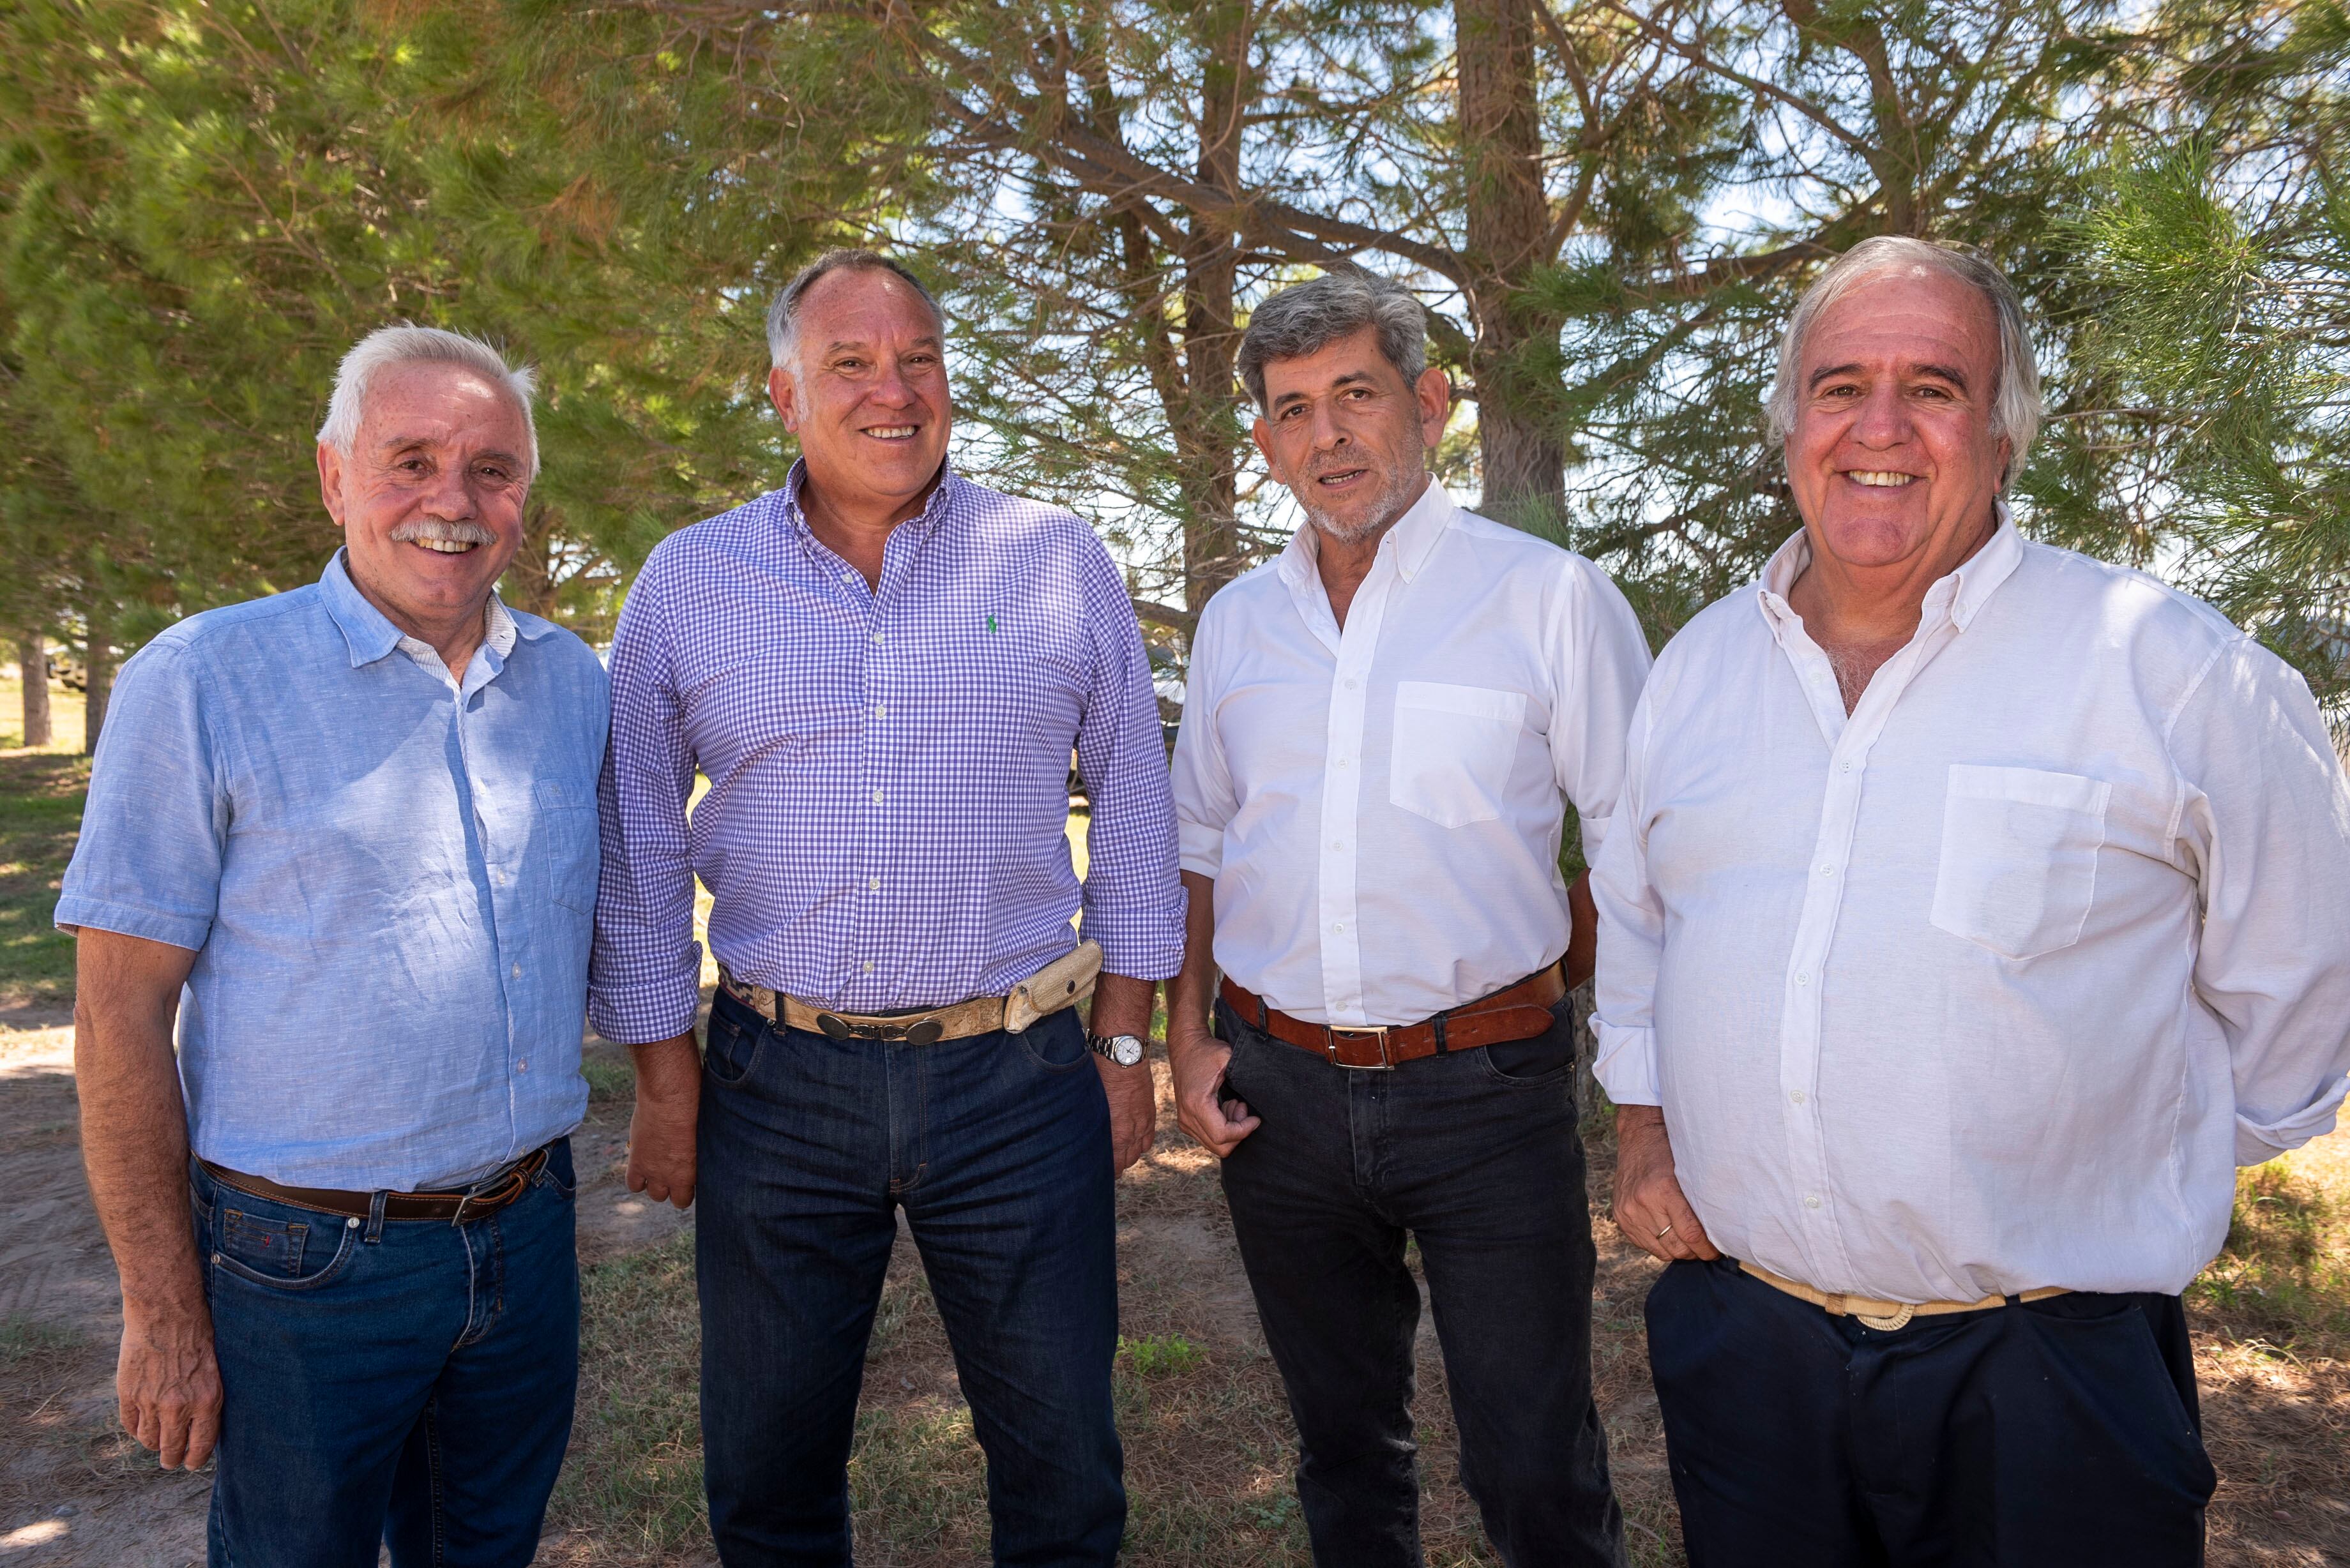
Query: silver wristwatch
{"points": [[1118, 1050]]}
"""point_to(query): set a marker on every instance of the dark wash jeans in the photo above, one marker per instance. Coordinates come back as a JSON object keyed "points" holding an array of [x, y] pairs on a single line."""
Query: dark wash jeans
{"points": [[1474, 1154], [406, 1384], [2062, 1431], [998, 1149]]}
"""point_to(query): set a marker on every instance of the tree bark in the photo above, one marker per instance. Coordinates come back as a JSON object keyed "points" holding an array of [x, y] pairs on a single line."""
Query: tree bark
{"points": [[32, 658], [98, 666], [1207, 444], [1523, 459]]}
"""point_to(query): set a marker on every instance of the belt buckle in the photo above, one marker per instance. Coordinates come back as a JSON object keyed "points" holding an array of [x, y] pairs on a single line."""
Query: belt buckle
{"points": [[1384, 1065]]}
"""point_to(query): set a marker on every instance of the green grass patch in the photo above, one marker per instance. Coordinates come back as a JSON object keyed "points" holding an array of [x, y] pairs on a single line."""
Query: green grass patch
{"points": [[22, 1339], [41, 795], [1159, 1355], [2284, 1274]]}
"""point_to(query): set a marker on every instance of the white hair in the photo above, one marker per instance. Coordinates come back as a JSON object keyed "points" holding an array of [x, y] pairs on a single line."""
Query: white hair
{"points": [[2015, 409], [407, 344]]}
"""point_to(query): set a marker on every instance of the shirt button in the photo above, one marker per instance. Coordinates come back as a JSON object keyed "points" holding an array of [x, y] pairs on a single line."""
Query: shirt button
{"points": [[522, 1065], [1350, 685], [875, 886], [1847, 767], [517, 971], [1341, 763], [877, 797], [1337, 844], [869, 966], [877, 637], [1337, 924], [1803, 979], [1812, 1202], [1827, 871], [882, 709], [1796, 1095]]}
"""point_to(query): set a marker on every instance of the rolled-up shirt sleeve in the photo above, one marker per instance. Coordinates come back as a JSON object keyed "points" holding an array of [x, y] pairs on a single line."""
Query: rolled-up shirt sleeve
{"points": [[1133, 900], [1205, 800], [2266, 818], [154, 832], [1603, 660], [1631, 938], [644, 977]]}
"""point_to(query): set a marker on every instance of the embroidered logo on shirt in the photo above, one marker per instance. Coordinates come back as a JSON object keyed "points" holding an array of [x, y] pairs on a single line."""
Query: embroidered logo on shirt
{"points": [[991, 623]]}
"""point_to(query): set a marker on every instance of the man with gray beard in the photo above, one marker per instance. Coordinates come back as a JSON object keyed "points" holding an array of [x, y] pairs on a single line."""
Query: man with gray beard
{"points": [[1381, 732]]}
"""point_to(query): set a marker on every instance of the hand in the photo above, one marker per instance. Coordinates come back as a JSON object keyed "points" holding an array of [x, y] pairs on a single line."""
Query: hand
{"points": [[1199, 1061], [1650, 1207], [661, 1132], [1133, 1110], [168, 1383]]}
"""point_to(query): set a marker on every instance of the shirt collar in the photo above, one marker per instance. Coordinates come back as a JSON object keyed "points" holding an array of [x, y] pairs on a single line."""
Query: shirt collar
{"points": [[1960, 594], [371, 635], [925, 522], [1409, 542]]}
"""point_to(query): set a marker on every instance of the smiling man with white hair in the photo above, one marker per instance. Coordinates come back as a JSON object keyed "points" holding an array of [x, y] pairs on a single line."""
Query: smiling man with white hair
{"points": [[346, 838], [1972, 910]]}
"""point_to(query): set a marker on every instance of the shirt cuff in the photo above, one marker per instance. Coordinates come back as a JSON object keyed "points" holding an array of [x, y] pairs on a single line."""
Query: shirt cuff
{"points": [[128, 919], [1626, 1065], [1594, 830], [1202, 848], [1140, 948], [643, 1013], [2258, 1143]]}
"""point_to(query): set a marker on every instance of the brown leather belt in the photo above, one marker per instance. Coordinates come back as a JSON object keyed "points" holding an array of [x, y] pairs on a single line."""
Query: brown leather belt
{"points": [[487, 1196], [1519, 1012]]}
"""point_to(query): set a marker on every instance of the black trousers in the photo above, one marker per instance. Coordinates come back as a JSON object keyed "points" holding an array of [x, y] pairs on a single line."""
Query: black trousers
{"points": [[2061, 1432], [1475, 1155]]}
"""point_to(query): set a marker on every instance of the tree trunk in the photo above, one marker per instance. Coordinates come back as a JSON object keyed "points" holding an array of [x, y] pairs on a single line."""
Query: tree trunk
{"points": [[33, 657], [1207, 444], [1524, 460], [98, 666]]}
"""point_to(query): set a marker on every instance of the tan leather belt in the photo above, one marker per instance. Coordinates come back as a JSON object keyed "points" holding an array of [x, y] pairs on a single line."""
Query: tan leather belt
{"points": [[487, 1196], [1519, 1012], [1061, 983], [1889, 1316]]}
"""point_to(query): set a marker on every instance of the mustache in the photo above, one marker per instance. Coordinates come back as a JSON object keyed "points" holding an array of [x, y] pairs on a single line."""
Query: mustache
{"points": [[445, 531]]}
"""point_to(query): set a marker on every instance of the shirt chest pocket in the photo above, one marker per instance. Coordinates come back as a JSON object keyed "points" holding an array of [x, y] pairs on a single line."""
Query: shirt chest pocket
{"points": [[564, 839], [2019, 865], [1453, 747]]}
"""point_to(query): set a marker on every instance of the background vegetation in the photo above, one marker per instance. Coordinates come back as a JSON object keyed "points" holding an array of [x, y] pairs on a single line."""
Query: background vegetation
{"points": [[1609, 204]]}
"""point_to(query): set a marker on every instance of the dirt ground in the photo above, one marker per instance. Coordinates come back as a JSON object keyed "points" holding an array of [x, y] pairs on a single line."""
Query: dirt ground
{"points": [[1207, 1442]]}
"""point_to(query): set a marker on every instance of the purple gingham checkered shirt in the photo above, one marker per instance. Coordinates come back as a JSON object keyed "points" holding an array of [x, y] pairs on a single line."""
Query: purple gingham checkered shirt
{"points": [[888, 770]]}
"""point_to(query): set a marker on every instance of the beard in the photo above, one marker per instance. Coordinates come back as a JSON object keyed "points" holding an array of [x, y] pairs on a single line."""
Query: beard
{"points": [[1391, 501]]}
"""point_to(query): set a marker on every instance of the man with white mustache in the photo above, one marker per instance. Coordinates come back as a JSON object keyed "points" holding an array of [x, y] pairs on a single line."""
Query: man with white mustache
{"points": [[1382, 729], [346, 837], [1974, 909]]}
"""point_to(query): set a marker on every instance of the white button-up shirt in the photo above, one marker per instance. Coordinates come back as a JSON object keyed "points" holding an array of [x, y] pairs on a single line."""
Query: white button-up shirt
{"points": [[1380, 807], [1992, 985]]}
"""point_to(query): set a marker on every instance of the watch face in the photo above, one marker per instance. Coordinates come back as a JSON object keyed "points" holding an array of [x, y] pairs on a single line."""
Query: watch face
{"points": [[1124, 1050]]}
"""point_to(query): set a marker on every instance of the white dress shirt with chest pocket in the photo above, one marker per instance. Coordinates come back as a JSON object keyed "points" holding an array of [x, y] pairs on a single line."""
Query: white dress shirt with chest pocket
{"points": [[1380, 807], [1992, 985]]}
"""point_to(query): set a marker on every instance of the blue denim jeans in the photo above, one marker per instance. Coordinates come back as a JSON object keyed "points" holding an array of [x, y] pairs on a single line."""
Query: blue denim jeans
{"points": [[404, 1383], [998, 1149]]}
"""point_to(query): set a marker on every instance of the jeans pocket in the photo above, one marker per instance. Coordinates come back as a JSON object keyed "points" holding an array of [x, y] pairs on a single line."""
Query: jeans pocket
{"points": [[2117, 1394], [557, 1173], [730, 1048], [1056, 1043], [1539, 1061], [276, 1245]]}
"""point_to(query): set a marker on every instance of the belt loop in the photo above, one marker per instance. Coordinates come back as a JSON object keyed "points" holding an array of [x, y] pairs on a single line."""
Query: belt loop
{"points": [[2015, 1301], [1263, 1016], [376, 1202], [1437, 1023]]}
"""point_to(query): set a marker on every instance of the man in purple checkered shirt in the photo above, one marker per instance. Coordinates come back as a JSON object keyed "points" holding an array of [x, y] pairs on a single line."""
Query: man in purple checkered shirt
{"points": [[882, 669]]}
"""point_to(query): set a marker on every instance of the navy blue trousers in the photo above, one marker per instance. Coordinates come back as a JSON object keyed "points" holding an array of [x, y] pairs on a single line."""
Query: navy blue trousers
{"points": [[406, 1384], [2062, 1431], [998, 1149]]}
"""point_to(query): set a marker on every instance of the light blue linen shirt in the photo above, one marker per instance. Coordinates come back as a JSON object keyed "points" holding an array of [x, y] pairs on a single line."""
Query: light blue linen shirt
{"points": [[389, 881]]}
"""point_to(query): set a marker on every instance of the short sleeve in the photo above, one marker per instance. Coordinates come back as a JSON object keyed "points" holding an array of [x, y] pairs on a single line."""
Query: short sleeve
{"points": [[154, 832]]}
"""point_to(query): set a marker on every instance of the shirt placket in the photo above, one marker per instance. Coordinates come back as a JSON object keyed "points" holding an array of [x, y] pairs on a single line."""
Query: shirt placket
{"points": [[1342, 793], [1850, 742], [502, 870]]}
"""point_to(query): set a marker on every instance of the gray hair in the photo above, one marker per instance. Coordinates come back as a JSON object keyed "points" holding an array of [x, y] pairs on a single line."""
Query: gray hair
{"points": [[407, 344], [783, 315], [1309, 316], [2015, 409]]}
